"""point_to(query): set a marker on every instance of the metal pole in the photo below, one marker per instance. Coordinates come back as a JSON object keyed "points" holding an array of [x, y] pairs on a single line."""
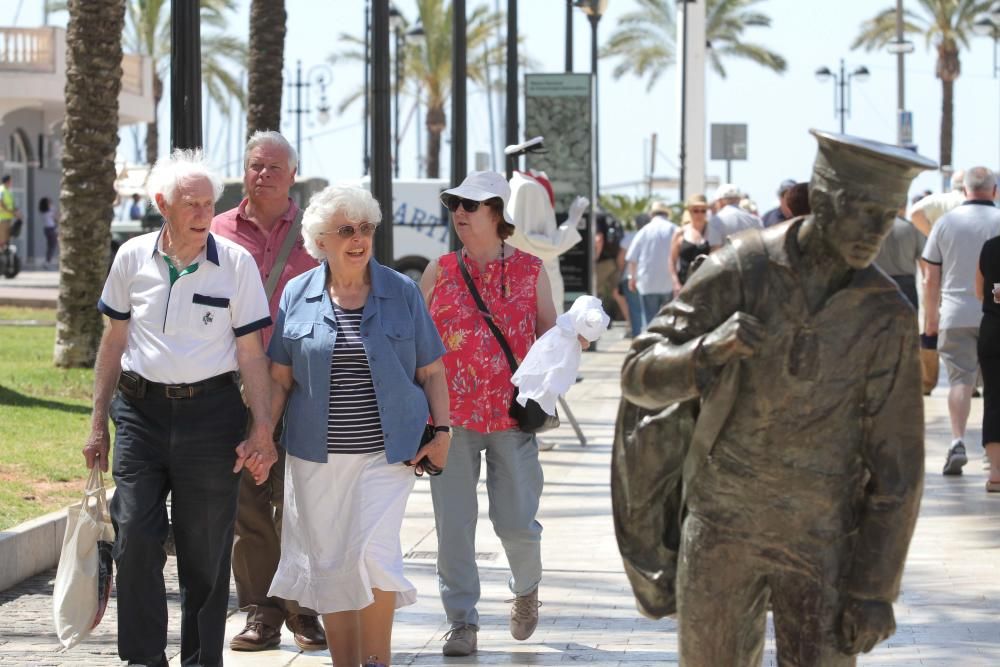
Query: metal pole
{"points": [[459, 152], [842, 82], [382, 131], [298, 112], [512, 74], [684, 69], [729, 171], [365, 160], [900, 72], [594, 20], [487, 67], [185, 74], [569, 36], [399, 80]]}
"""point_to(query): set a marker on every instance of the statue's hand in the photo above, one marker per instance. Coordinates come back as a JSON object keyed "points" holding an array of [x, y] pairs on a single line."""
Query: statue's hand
{"points": [[865, 623], [736, 338]]}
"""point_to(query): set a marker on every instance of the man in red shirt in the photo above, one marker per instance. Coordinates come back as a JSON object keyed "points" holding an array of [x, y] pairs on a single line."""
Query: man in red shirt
{"points": [[261, 223]]}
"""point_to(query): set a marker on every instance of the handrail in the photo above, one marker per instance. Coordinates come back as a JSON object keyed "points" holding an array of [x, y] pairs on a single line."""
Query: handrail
{"points": [[27, 49]]}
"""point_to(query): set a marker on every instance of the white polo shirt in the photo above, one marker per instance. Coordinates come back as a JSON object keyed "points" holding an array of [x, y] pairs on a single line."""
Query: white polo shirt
{"points": [[185, 332]]}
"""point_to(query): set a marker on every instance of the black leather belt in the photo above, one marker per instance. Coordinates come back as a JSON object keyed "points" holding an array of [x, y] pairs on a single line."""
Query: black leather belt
{"points": [[136, 386]]}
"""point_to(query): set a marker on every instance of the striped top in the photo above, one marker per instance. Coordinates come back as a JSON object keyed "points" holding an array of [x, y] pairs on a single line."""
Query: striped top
{"points": [[353, 423]]}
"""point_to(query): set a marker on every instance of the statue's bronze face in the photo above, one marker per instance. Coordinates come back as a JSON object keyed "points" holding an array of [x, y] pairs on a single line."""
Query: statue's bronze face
{"points": [[859, 229]]}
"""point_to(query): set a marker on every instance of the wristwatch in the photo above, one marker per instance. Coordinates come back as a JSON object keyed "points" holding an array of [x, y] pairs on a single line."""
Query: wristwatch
{"points": [[442, 429]]}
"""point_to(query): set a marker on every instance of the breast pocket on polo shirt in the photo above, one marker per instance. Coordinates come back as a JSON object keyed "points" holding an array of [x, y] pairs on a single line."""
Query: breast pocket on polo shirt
{"points": [[209, 316]]}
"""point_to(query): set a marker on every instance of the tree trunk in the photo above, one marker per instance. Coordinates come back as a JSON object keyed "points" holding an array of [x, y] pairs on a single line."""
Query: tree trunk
{"points": [[947, 68], [93, 82], [435, 123], [947, 120], [152, 129], [264, 80]]}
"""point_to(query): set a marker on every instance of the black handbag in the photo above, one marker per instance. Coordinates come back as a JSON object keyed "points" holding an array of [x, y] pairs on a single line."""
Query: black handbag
{"points": [[530, 418]]}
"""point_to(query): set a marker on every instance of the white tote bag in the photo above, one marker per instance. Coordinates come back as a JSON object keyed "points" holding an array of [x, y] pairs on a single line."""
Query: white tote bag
{"points": [[83, 580]]}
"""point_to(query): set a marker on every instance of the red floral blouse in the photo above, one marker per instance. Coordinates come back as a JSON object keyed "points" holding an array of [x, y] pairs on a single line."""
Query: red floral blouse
{"points": [[478, 373]]}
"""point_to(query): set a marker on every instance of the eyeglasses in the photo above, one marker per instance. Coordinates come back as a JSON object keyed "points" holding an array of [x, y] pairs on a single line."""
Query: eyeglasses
{"points": [[451, 202], [364, 228]]}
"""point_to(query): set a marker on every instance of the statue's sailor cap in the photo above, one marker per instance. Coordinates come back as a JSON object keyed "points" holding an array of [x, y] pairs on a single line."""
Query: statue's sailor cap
{"points": [[866, 166]]}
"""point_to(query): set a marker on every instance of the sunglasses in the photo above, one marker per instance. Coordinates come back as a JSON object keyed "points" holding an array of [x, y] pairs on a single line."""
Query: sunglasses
{"points": [[347, 231], [698, 210], [452, 202]]}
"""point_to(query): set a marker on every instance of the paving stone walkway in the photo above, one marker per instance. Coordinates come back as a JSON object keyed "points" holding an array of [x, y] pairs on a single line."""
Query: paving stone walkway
{"points": [[949, 614]]}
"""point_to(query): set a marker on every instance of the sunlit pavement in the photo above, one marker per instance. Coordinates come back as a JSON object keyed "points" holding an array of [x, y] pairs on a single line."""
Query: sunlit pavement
{"points": [[947, 616]]}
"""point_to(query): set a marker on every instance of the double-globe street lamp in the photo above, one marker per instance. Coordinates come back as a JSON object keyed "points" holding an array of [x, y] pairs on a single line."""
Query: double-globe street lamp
{"points": [[317, 75], [399, 25], [989, 26], [842, 88]]}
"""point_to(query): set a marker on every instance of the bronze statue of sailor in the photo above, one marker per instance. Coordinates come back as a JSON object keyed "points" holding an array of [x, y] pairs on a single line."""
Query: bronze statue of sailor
{"points": [[769, 447]]}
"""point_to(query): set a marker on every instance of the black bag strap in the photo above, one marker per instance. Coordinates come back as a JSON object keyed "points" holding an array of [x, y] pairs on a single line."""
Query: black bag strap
{"points": [[485, 312]]}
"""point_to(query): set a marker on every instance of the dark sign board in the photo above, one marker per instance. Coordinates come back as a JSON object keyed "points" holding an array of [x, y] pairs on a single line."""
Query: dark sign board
{"points": [[729, 141]]}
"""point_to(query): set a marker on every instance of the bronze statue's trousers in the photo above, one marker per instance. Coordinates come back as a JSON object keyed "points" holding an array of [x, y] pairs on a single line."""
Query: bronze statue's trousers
{"points": [[724, 586], [257, 547]]}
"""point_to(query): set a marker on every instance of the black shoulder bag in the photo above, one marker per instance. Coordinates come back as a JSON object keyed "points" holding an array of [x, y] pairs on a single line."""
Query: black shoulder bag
{"points": [[531, 418]]}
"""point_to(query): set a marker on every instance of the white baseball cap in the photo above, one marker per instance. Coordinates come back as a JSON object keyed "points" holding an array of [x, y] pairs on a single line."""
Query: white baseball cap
{"points": [[727, 191], [483, 185]]}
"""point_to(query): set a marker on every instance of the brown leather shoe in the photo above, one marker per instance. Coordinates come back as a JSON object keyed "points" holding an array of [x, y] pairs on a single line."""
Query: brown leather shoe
{"points": [[256, 636], [307, 631]]}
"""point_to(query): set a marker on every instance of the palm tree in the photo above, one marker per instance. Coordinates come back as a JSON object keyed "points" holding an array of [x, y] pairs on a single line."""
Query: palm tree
{"points": [[944, 23], [90, 137], [264, 65], [646, 39], [147, 32], [427, 66]]}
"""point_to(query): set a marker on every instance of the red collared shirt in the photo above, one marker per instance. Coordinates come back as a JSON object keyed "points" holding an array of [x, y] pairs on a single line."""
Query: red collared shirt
{"points": [[235, 226]]}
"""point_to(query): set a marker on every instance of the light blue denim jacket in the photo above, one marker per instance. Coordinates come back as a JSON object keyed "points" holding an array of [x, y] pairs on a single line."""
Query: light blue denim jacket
{"points": [[399, 337]]}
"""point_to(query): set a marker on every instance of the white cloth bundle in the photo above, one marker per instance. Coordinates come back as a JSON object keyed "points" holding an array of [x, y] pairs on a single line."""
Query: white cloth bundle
{"points": [[550, 367]]}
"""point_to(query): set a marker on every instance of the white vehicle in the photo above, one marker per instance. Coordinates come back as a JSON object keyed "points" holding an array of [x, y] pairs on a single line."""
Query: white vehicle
{"points": [[419, 222]]}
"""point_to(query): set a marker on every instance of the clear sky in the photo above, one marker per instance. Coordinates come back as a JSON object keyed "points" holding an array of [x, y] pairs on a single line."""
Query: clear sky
{"points": [[779, 109]]}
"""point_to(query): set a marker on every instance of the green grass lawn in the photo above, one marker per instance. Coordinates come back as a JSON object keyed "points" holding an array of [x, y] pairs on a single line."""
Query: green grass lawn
{"points": [[44, 419]]}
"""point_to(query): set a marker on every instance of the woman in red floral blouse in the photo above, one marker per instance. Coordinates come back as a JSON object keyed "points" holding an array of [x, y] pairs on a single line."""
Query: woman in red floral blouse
{"points": [[516, 291]]}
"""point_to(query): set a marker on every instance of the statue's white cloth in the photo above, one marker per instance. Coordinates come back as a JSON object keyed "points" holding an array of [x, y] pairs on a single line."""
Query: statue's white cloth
{"points": [[550, 367], [536, 232]]}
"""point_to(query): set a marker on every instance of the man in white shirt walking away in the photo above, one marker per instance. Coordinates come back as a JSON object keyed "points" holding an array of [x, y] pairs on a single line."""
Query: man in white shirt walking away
{"points": [[648, 262], [951, 309]]}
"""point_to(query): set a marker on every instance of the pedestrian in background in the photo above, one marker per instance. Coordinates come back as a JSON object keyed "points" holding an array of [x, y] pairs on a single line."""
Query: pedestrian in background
{"points": [[951, 310], [781, 212], [648, 262], [50, 229], [729, 218], [357, 360], [691, 242], [264, 223]]}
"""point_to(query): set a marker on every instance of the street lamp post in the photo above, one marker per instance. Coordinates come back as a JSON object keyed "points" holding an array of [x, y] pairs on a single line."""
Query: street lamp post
{"points": [[594, 9], [365, 155], [842, 88], [185, 78], [317, 75], [989, 26], [900, 48], [398, 23]]}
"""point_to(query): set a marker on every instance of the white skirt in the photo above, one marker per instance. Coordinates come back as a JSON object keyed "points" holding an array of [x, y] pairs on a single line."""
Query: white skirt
{"points": [[340, 532]]}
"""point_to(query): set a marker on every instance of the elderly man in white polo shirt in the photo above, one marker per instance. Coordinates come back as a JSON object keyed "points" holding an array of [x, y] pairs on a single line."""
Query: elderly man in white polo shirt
{"points": [[729, 218], [185, 312]]}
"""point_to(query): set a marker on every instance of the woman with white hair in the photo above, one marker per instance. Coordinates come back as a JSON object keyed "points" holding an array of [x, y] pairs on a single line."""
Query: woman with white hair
{"points": [[353, 341]]}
